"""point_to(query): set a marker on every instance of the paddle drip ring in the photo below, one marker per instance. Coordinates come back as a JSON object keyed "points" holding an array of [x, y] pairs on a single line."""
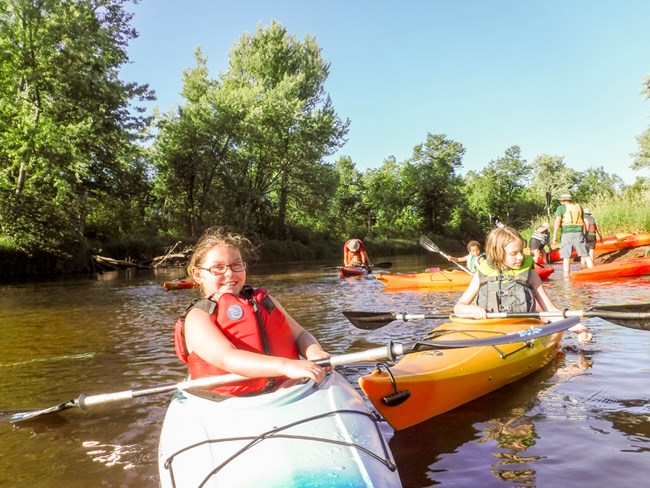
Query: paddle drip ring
{"points": [[397, 397]]}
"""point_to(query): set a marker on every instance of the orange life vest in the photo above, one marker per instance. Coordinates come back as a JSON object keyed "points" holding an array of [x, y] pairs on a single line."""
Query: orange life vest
{"points": [[251, 322]]}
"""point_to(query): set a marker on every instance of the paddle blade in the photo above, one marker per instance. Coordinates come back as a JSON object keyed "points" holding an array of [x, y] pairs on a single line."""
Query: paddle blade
{"points": [[369, 320], [384, 264], [14, 417], [428, 244], [633, 316]]}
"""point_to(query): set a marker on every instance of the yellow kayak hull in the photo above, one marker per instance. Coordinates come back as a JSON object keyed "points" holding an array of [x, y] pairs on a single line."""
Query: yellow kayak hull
{"points": [[441, 380], [441, 280]]}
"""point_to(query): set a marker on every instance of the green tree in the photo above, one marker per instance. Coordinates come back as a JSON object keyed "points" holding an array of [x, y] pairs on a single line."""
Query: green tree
{"points": [[431, 181], [498, 192], [248, 150], [68, 132], [642, 156], [550, 177], [597, 183]]}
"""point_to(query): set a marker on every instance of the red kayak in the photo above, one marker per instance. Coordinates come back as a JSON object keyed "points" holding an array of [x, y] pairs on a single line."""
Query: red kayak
{"points": [[620, 269], [544, 271], [179, 284], [348, 271], [554, 255]]}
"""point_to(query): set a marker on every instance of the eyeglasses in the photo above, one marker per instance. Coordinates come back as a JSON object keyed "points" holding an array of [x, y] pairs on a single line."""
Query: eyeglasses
{"points": [[219, 269]]}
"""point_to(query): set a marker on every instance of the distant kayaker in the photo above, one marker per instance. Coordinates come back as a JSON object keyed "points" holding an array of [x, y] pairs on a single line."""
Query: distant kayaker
{"points": [[507, 282], [592, 231], [234, 328], [474, 257], [354, 254], [538, 243], [569, 217]]}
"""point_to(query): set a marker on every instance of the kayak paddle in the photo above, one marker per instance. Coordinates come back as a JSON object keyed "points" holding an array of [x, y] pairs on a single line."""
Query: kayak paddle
{"points": [[388, 352], [383, 264], [429, 245], [634, 316]]}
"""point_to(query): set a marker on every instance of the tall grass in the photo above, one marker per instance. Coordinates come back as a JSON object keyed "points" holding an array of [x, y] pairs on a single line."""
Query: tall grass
{"points": [[629, 213]]}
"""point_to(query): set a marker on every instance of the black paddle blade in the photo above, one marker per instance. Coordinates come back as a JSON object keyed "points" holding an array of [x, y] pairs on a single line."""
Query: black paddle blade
{"points": [[385, 265], [633, 316], [13, 417], [369, 320]]}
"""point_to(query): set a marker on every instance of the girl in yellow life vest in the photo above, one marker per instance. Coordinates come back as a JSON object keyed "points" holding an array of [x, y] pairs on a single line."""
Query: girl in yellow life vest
{"points": [[235, 329], [507, 281]]}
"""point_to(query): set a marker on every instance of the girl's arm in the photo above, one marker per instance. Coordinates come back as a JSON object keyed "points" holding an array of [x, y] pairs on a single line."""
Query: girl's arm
{"points": [[211, 345], [464, 305]]}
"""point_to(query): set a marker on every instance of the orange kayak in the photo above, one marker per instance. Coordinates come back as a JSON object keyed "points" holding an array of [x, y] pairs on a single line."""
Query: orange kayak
{"points": [[622, 241], [439, 381], [179, 284], [441, 280], [620, 269]]}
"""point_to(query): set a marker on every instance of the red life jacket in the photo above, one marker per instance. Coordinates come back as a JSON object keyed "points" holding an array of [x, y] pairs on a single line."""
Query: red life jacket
{"points": [[251, 322]]}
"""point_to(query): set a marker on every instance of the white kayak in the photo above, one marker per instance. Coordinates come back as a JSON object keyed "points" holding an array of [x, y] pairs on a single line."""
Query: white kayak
{"points": [[301, 435]]}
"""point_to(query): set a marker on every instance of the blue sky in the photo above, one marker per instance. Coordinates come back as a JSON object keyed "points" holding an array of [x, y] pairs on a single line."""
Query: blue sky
{"points": [[560, 77]]}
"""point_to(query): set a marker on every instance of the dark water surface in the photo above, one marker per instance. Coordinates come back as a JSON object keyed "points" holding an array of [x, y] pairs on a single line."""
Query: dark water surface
{"points": [[584, 420]]}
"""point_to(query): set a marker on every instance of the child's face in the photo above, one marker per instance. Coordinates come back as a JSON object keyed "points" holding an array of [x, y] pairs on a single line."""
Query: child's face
{"points": [[514, 254], [475, 250], [228, 282]]}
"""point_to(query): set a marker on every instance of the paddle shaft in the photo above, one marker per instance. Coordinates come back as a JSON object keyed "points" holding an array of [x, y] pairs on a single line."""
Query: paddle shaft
{"points": [[86, 401]]}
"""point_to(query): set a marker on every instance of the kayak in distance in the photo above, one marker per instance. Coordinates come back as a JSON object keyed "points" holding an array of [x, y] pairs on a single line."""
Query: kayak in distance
{"points": [[439, 381], [179, 284], [618, 269], [452, 279], [441, 280], [300, 435], [349, 271], [622, 241]]}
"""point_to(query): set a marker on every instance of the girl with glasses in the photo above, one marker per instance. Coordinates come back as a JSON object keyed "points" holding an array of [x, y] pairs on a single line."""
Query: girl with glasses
{"points": [[234, 328]]}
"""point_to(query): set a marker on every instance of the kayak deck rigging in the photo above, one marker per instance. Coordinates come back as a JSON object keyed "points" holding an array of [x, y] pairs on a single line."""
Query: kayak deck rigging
{"points": [[383, 458]]}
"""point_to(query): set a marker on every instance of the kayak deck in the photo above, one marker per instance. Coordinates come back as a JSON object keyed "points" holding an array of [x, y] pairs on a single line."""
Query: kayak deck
{"points": [[441, 380], [301, 435], [442, 280]]}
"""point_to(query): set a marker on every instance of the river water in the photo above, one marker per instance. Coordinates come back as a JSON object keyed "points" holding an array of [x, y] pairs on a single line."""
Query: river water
{"points": [[584, 420]]}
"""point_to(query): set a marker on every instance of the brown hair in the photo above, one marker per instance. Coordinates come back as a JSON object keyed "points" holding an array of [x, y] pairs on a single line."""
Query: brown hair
{"points": [[497, 240], [219, 236], [471, 244]]}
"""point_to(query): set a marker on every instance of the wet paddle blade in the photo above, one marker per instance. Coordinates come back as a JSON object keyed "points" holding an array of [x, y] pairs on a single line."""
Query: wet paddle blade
{"points": [[369, 320], [633, 316], [13, 417]]}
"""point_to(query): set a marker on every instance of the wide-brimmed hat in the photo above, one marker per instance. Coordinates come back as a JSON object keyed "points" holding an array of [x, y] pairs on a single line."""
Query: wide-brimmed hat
{"points": [[586, 210], [565, 197], [354, 245]]}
